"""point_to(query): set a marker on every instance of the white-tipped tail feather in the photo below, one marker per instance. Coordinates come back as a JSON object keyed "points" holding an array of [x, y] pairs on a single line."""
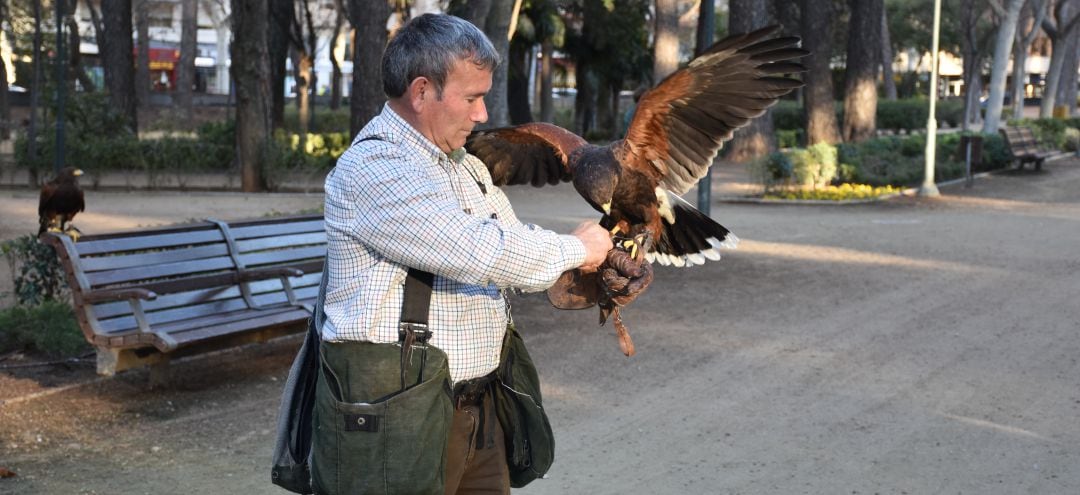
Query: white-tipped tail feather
{"points": [[690, 238]]}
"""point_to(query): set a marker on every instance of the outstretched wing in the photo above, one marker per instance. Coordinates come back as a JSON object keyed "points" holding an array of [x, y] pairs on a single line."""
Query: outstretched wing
{"points": [[535, 153], [680, 125]]}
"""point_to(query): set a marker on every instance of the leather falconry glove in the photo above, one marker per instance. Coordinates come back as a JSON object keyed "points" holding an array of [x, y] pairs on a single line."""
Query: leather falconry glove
{"points": [[620, 279]]}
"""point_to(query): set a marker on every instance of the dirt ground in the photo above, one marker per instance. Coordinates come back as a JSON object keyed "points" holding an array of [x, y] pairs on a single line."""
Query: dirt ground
{"points": [[908, 346]]}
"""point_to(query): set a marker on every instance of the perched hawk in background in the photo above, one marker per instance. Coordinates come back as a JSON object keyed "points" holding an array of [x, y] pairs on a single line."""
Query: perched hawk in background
{"points": [[61, 198], [676, 132]]}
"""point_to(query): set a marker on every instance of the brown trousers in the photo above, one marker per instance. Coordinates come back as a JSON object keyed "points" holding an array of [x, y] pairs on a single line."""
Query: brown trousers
{"points": [[476, 453]]}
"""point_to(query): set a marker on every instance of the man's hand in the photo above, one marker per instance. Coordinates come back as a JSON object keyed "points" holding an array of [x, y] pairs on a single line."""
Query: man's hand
{"points": [[625, 277], [597, 243]]}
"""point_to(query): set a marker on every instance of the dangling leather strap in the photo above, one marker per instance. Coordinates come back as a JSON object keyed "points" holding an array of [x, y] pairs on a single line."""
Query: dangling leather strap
{"points": [[413, 328]]}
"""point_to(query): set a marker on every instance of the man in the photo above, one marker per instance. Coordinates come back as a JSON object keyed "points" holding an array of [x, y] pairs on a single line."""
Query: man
{"points": [[406, 195]]}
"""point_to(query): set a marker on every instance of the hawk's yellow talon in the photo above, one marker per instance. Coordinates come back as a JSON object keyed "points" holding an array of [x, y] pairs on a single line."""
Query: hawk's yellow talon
{"points": [[633, 251], [615, 230]]}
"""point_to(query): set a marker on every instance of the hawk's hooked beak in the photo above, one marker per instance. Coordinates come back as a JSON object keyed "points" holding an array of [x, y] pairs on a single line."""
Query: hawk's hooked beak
{"points": [[606, 207], [77, 172]]}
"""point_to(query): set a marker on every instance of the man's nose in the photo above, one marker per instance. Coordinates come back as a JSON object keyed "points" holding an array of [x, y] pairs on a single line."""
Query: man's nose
{"points": [[479, 114]]}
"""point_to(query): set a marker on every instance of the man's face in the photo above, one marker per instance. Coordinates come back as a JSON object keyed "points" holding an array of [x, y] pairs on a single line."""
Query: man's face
{"points": [[452, 118]]}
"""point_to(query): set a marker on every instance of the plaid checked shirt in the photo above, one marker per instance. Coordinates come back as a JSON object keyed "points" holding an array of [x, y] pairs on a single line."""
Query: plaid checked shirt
{"points": [[398, 201]]}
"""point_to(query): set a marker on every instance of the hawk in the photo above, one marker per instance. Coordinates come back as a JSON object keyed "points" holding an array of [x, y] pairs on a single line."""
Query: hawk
{"points": [[676, 132], [61, 199]]}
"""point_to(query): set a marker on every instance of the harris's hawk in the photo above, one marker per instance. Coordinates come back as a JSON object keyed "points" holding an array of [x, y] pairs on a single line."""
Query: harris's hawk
{"points": [[676, 132], [61, 199]]}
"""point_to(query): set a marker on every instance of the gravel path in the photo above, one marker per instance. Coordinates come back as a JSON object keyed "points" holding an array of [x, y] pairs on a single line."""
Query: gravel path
{"points": [[911, 346]]}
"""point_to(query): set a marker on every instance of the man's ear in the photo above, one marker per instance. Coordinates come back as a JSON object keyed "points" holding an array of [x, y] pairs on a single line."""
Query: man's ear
{"points": [[420, 92]]}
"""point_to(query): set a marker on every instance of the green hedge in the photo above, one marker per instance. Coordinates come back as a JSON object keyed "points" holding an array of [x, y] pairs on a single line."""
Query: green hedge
{"points": [[906, 114], [900, 160]]}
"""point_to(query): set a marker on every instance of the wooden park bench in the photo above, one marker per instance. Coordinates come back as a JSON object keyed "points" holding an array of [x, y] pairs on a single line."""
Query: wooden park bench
{"points": [[145, 296], [1025, 147]]}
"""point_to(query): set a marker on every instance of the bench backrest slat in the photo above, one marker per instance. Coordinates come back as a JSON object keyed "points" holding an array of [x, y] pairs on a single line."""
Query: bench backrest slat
{"points": [[279, 242], [288, 256], [101, 263], [242, 231], [183, 268], [135, 242]]}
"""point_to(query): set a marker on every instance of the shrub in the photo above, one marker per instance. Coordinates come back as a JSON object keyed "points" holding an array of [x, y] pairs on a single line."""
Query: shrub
{"points": [[35, 270], [814, 167], [288, 160], [1072, 139], [771, 170], [49, 328], [789, 138], [899, 161], [324, 120]]}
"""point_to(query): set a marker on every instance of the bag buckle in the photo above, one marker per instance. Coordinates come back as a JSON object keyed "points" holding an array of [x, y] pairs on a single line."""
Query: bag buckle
{"points": [[420, 332]]}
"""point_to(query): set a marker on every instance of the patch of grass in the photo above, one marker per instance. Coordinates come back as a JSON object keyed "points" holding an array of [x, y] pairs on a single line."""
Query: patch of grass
{"points": [[843, 192], [49, 328]]}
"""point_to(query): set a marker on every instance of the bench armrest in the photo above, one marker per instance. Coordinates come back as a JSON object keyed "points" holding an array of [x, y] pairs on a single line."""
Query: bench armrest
{"points": [[98, 296], [265, 273]]}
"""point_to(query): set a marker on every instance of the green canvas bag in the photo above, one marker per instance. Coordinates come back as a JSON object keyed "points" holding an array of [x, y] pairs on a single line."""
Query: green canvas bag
{"points": [[530, 443]]}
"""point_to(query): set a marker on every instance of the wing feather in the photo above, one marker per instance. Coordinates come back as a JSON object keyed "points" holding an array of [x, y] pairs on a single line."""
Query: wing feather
{"points": [[683, 122], [536, 153]]}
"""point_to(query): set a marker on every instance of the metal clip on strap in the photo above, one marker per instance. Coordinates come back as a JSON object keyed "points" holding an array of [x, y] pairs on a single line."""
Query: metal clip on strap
{"points": [[414, 319]]}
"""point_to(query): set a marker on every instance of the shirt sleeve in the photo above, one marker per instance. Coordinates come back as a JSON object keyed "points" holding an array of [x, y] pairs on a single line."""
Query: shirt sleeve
{"points": [[403, 217]]}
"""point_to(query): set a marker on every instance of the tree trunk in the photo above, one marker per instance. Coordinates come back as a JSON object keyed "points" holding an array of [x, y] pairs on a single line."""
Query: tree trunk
{"points": [[250, 68], [142, 58], [666, 39], [860, 82], [118, 60], [75, 65], [818, 104], [972, 62], [304, 65], [517, 91], [335, 65], [35, 92], [367, 97], [1066, 19], [1002, 48], [757, 138], [972, 108], [887, 77], [185, 70], [547, 103], [5, 106], [1026, 32], [1067, 87], [497, 29], [281, 12], [584, 100]]}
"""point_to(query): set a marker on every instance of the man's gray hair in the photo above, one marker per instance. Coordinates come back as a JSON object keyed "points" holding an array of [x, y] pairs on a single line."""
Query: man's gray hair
{"points": [[427, 46]]}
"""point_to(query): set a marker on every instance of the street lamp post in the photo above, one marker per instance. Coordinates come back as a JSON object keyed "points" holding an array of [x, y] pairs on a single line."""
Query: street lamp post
{"points": [[61, 88], [706, 22], [928, 187]]}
